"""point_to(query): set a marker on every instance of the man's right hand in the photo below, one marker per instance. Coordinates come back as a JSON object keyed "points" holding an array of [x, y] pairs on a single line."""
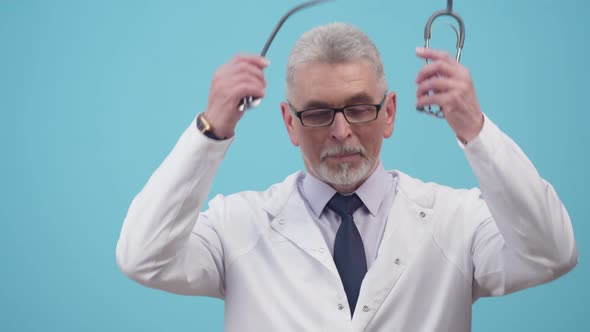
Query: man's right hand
{"points": [[241, 77]]}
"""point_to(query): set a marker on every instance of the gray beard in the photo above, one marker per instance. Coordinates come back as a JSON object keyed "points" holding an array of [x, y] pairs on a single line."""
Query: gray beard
{"points": [[345, 174]]}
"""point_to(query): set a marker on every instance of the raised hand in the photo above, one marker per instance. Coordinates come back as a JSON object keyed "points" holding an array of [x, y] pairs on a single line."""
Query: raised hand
{"points": [[241, 76], [451, 88]]}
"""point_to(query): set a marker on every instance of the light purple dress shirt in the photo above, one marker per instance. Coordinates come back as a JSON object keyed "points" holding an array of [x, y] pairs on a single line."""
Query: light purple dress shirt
{"points": [[377, 193]]}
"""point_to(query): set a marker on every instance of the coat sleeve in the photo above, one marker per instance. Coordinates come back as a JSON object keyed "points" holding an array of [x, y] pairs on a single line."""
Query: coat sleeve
{"points": [[526, 237], [162, 245]]}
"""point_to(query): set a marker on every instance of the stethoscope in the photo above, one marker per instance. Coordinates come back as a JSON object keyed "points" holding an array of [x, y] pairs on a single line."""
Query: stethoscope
{"points": [[460, 41], [251, 102]]}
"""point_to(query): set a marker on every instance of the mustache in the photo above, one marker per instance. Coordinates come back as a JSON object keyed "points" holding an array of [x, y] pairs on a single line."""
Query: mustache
{"points": [[342, 149]]}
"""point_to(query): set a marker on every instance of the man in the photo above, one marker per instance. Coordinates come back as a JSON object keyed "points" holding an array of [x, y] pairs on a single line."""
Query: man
{"points": [[346, 246]]}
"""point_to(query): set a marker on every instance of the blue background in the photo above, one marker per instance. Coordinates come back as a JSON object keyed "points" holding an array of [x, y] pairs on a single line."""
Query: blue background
{"points": [[94, 94]]}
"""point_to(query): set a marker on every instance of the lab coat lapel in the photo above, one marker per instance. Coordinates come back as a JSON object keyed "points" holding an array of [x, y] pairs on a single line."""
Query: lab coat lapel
{"points": [[406, 228], [294, 223]]}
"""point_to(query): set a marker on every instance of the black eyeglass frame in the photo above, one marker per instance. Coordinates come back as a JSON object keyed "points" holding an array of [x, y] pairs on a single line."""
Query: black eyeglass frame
{"points": [[337, 110]]}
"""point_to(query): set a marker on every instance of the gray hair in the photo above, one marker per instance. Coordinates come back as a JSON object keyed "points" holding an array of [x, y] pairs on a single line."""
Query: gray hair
{"points": [[334, 43]]}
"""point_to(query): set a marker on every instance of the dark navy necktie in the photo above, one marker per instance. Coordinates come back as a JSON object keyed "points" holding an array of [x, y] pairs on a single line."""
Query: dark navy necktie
{"points": [[349, 252]]}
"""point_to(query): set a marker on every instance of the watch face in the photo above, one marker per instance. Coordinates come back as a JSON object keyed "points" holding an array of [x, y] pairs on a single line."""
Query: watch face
{"points": [[202, 124], [205, 127]]}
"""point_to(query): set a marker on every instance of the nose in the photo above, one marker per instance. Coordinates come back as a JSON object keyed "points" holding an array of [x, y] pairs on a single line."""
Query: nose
{"points": [[340, 128]]}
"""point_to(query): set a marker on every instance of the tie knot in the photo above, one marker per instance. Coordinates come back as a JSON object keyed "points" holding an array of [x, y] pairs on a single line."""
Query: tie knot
{"points": [[345, 205]]}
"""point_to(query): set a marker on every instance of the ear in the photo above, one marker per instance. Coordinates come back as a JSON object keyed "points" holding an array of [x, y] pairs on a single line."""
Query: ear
{"points": [[290, 122], [390, 109]]}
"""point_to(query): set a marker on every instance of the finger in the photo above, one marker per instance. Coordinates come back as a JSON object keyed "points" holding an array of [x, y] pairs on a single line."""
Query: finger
{"points": [[432, 54], [231, 75], [243, 78], [255, 60], [245, 89], [437, 84], [249, 69], [436, 68], [438, 99]]}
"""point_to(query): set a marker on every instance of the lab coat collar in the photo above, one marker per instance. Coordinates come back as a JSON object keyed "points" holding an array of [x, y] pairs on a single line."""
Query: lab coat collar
{"points": [[408, 225], [291, 220]]}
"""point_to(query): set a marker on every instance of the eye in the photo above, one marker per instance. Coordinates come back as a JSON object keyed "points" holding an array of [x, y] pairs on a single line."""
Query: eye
{"points": [[360, 109], [319, 115], [361, 113]]}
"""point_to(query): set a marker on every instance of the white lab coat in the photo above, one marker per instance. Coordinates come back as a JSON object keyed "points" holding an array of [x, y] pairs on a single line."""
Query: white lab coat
{"points": [[263, 255]]}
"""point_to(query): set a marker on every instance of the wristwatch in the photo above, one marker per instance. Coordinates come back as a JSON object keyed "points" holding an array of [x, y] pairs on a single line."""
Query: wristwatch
{"points": [[205, 127]]}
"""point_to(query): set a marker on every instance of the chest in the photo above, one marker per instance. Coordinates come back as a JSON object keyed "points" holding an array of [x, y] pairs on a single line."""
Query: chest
{"points": [[290, 273]]}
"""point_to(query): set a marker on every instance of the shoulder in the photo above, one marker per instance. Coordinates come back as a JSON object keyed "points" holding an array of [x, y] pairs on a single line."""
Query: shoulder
{"points": [[240, 219], [250, 209], [462, 207], [456, 215], [271, 198], [431, 194]]}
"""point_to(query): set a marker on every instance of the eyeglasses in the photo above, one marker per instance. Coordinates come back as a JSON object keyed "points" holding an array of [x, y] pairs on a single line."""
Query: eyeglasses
{"points": [[323, 117]]}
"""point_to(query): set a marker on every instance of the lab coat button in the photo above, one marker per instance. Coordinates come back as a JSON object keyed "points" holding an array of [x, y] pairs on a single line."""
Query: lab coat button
{"points": [[422, 214], [396, 261], [282, 221], [340, 306], [321, 250], [366, 308]]}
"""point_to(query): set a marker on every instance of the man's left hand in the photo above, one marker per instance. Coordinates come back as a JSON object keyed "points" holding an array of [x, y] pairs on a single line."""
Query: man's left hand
{"points": [[451, 88]]}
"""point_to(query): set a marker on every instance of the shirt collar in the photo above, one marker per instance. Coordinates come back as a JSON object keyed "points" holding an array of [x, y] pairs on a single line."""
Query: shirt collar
{"points": [[374, 189], [371, 192]]}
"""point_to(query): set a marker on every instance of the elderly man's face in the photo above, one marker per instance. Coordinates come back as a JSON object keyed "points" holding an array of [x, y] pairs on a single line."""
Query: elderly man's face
{"points": [[341, 154]]}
